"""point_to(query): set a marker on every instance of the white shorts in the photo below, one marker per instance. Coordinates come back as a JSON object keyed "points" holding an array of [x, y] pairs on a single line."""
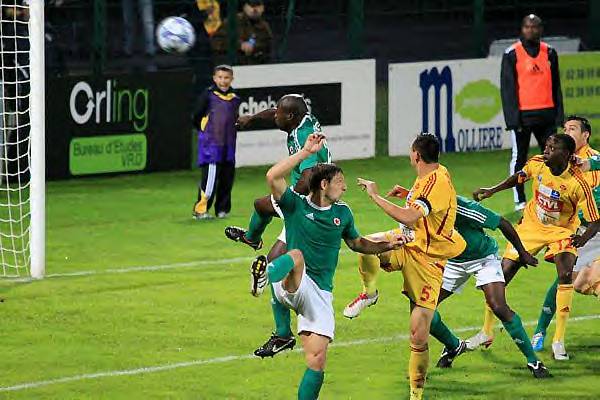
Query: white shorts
{"points": [[313, 306], [281, 236], [587, 254], [486, 270]]}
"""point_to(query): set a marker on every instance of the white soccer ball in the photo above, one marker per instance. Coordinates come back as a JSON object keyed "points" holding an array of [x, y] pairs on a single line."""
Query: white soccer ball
{"points": [[175, 35]]}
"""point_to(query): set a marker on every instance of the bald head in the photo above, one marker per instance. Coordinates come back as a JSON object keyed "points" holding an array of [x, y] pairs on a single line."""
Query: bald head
{"points": [[531, 28], [290, 111]]}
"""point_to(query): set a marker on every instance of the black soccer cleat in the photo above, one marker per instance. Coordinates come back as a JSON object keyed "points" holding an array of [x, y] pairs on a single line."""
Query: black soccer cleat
{"points": [[258, 276], [448, 356], [274, 345], [539, 370], [238, 234]]}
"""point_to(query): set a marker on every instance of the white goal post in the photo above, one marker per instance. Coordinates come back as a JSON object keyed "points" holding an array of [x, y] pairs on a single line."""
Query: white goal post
{"points": [[22, 142]]}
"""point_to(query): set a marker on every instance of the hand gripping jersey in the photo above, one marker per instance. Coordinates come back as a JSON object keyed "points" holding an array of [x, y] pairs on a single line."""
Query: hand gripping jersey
{"points": [[295, 143]]}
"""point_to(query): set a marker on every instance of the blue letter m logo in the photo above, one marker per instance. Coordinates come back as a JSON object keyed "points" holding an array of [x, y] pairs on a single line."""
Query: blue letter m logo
{"points": [[437, 80]]}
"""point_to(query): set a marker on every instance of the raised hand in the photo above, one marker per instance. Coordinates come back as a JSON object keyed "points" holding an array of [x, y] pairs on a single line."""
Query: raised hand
{"points": [[314, 142], [369, 186], [528, 259]]}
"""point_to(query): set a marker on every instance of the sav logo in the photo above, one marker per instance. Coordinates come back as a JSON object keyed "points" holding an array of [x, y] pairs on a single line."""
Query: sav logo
{"points": [[110, 105]]}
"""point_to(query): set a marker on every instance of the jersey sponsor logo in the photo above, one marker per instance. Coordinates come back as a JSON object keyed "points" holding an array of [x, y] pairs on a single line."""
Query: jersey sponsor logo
{"points": [[337, 221], [548, 204]]}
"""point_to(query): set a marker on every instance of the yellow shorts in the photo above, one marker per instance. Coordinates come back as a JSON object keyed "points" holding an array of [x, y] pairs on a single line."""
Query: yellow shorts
{"points": [[422, 275], [538, 237]]}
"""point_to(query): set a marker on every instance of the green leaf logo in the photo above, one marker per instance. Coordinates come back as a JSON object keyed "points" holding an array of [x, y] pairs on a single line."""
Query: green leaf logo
{"points": [[479, 101]]}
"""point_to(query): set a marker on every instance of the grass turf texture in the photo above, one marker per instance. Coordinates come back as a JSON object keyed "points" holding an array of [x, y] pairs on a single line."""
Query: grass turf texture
{"points": [[68, 326]]}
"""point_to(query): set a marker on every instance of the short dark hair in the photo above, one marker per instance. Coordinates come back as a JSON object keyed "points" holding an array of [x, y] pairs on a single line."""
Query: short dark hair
{"points": [[223, 67], [322, 171], [566, 141], [293, 103], [428, 146], [583, 122]]}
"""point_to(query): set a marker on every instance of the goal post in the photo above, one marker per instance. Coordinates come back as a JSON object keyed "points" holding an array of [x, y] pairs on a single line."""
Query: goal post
{"points": [[37, 153], [22, 139]]}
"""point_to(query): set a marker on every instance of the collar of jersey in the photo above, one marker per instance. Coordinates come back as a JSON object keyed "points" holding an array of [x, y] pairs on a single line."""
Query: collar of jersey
{"points": [[300, 124], [313, 205]]}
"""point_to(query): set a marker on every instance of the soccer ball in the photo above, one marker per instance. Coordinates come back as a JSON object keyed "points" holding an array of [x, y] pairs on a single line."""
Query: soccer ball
{"points": [[175, 35]]}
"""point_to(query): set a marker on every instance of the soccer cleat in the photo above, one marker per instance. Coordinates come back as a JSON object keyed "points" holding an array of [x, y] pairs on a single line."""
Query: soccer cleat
{"points": [[201, 216], [222, 214], [355, 307], [448, 356], [520, 206], [539, 370], [537, 341], [559, 351], [480, 339], [275, 344], [258, 276], [238, 234]]}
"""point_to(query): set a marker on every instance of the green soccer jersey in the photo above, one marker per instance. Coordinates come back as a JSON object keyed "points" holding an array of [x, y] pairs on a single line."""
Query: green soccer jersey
{"points": [[471, 219], [295, 143], [594, 166], [317, 233]]}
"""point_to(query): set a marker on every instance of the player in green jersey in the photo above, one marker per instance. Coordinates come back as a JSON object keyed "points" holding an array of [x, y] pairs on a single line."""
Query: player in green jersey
{"points": [[291, 116], [302, 278], [480, 259]]}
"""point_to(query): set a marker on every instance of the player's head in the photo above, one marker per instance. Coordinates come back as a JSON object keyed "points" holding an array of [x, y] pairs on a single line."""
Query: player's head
{"points": [[327, 179], [254, 9], [291, 108], [223, 76], [532, 28], [579, 129], [558, 150], [425, 149]]}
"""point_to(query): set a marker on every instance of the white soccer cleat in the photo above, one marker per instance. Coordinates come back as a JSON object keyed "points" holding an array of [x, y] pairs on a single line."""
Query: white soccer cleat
{"points": [[355, 307], [520, 206], [480, 339], [559, 351], [258, 276]]}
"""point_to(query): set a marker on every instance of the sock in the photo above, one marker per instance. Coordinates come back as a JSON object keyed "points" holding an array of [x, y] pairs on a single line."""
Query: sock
{"points": [[515, 329], [440, 331], [200, 206], [368, 267], [548, 309], [564, 300], [417, 365], [280, 267], [258, 224], [281, 315], [489, 320], [416, 393], [310, 385]]}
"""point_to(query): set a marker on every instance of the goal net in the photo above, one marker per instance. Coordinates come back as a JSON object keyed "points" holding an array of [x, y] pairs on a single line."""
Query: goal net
{"points": [[22, 168]]}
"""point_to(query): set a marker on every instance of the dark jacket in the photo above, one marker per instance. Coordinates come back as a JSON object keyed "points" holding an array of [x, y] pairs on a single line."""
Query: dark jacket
{"points": [[514, 118], [258, 30]]}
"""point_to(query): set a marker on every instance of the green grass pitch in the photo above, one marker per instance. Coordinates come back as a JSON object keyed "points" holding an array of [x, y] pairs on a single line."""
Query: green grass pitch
{"points": [[141, 285]]}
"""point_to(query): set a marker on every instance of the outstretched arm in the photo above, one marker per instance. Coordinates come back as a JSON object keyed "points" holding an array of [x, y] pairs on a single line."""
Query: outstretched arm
{"points": [[581, 240], [484, 193], [277, 173], [366, 246], [265, 118], [511, 235]]}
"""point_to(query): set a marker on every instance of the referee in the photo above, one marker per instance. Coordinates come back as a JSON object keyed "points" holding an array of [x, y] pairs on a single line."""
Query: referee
{"points": [[531, 95]]}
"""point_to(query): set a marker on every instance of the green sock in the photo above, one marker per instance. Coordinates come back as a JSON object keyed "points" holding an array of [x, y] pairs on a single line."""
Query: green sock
{"points": [[310, 386], [548, 309], [516, 331], [258, 224], [281, 315], [440, 331], [280, 267]]}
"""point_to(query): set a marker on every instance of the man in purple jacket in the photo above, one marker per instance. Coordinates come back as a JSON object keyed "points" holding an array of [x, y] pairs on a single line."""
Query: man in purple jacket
{"points": [[215, 115]]}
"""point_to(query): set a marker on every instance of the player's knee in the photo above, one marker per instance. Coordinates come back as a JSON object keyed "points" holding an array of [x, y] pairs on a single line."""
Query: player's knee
{"points": [[565, 277], [296, 256], [316, 360], [500, 310], [418, 336]]}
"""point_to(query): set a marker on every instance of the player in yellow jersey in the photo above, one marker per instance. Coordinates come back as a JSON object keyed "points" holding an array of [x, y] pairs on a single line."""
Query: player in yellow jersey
{"points": [[429, 217], [586, 273], [550, 220]]}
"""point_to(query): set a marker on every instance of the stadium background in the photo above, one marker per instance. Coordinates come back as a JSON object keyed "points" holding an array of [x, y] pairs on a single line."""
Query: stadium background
{"points": [[134, 283]]}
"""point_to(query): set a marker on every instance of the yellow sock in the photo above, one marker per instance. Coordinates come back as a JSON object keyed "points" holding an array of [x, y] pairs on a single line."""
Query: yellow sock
{"points": [[564, 300], [489, 320], [416, 393], [200, 206], [368, 266], [417, 367]]}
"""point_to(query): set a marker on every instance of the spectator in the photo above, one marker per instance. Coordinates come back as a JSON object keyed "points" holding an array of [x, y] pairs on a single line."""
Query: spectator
{"points": [[146, 11], [255, 37]]}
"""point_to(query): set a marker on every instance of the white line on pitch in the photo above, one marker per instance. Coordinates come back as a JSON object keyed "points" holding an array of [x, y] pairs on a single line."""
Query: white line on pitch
{"points": [[219, 360]]}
